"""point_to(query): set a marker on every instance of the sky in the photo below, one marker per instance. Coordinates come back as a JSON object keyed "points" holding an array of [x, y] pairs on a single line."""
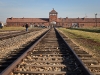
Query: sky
{"points": [[41, 8]]}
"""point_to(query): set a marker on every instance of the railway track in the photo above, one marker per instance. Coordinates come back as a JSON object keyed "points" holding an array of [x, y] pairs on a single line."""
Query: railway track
{"points": [[88, 60], [50, 55], [10, 34]]}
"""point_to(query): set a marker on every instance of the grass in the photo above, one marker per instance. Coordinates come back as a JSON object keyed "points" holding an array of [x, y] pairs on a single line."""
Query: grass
{"points": [[12, 28], [84, 33], [85, 39], [18, 28], [96, 30]]}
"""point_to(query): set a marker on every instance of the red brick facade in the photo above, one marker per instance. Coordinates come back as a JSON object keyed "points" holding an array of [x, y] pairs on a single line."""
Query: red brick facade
{"points": [[53, 16], [53, 19]]}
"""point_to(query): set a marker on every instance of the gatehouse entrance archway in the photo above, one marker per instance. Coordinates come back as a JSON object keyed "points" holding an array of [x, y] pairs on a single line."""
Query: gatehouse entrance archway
{"points": [[53, 23]]}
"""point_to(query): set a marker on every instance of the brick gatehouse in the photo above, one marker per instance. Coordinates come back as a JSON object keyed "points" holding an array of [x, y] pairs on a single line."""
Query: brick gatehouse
{"points": [[54, 20]]}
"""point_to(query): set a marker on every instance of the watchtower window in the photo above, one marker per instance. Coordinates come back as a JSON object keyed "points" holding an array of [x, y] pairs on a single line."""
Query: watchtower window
{"points": [[53, 14]]}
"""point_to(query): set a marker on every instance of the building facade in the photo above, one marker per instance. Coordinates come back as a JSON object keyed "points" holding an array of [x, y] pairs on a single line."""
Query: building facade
{"points": [[54, 20]]}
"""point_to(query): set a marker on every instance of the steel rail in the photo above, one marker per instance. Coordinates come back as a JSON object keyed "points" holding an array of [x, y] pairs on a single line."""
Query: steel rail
{"points": [[18, 60], [10, 35], [86, 71]]}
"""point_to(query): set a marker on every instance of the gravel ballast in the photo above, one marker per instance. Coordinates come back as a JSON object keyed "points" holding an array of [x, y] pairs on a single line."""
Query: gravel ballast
{"points": [[13, 43]]}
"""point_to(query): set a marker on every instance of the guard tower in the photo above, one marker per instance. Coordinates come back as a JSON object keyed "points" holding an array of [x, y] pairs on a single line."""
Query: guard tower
{"points": [[53, 17]]}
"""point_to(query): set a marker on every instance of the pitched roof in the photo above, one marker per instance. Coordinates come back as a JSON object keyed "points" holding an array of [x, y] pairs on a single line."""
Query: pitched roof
{"points": [[53, 12], [78, 20], [27, 20], [34, 20]]}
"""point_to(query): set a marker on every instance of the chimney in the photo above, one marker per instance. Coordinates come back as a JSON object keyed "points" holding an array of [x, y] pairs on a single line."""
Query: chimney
{"points": [[11, 17], [83, 18], [66, 18]]}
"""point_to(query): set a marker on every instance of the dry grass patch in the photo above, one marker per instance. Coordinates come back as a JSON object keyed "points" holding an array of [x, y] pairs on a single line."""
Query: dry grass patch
{"points": [[18, 28], [12, 28], [84, 34], [89, 41]]}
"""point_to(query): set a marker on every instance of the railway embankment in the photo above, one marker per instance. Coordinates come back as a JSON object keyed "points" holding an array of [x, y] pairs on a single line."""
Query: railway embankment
{"points": [[8, 45], [86, 40]]}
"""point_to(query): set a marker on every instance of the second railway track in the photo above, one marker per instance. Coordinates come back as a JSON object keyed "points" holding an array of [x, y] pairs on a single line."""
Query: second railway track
{"points": [[51, 56]]}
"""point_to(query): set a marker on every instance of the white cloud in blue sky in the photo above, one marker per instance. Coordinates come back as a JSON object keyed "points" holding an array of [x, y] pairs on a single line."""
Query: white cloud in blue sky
{"points": [[41, 8]]}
